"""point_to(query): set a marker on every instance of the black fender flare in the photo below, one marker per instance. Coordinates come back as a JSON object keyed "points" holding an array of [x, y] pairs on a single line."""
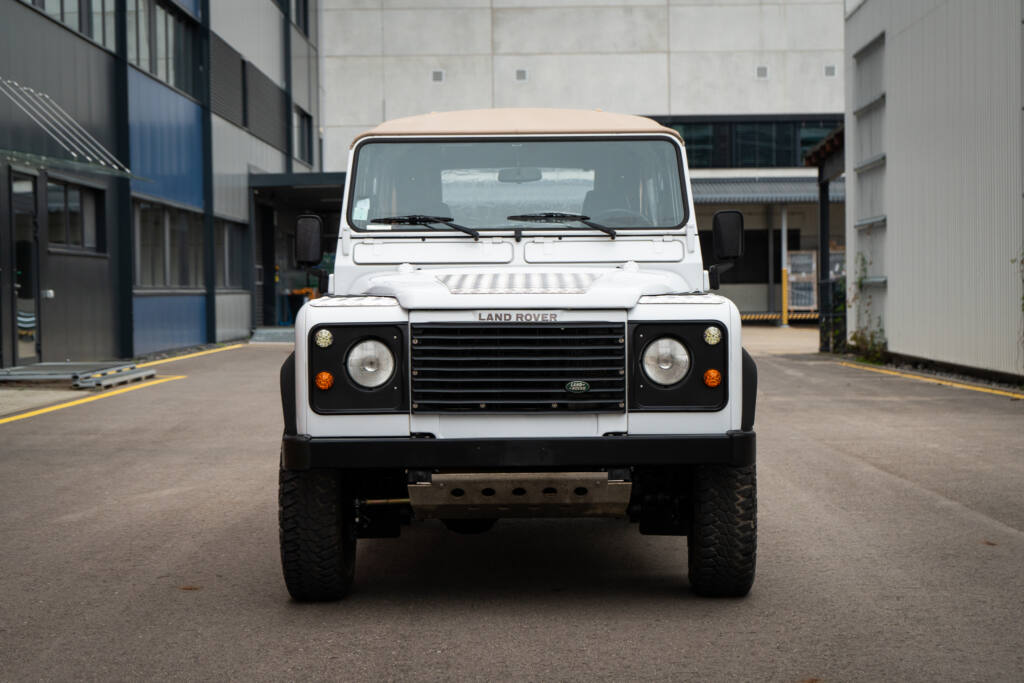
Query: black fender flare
{"points": [[749, 392], [288, 394]]}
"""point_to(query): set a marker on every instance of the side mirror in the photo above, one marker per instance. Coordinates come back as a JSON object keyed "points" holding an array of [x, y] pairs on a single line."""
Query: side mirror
{"points": [[309, 248], [727, 234]]}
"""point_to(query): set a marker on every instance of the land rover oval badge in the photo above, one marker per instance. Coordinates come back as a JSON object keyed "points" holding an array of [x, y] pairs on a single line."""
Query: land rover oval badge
{"points": [[577, 386]]}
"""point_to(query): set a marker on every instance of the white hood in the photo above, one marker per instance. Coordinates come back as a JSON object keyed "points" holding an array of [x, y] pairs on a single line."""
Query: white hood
{"points": [[471, 288]]}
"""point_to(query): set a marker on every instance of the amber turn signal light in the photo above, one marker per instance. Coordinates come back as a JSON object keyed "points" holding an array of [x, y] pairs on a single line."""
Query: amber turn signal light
{"points": [[324, 380], [712, 378]]}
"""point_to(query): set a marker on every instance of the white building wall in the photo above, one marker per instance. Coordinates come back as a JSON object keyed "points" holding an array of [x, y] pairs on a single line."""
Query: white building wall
{"points": [[656, 57], [951, 190]]}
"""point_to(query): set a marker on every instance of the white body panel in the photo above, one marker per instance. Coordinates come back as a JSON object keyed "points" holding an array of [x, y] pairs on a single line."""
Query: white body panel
{"points": [[589, 277]]}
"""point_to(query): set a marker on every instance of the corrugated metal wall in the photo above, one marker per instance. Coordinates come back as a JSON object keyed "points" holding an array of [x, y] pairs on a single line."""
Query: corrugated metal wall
{"points": [[168, 321], [234, 315], [255, 29], [952, 190], [166, 141], [235, 155]]}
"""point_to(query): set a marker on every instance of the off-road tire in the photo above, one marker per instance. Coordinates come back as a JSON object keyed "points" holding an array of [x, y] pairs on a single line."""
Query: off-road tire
{"points": [[318, 539], [723, 539], [469, 526]]}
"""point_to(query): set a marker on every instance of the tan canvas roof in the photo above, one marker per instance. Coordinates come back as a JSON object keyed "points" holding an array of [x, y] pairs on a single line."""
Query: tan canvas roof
{"points": [[517, 122]]}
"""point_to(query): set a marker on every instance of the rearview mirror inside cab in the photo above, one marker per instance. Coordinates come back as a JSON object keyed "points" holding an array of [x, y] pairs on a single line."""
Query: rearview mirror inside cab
{"points": [[727, 233], [519, 174], [309, 248]]}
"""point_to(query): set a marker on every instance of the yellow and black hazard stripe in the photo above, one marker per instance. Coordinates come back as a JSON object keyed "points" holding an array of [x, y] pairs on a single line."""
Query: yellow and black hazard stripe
{"points": [[793, 315]]}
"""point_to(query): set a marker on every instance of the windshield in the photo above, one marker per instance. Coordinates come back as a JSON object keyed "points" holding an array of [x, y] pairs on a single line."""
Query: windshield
{"points": [[497, 184]]}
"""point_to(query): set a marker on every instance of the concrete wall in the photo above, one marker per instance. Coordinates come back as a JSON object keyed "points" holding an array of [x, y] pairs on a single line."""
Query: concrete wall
{"points": [[656, 57], [942, 284]]}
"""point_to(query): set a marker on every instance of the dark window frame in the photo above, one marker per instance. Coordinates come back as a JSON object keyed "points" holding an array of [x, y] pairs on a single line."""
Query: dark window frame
{"points": [[232, 260], [750, 141], [303, 125], [181, 45], [100, 247], [170, 268], [300, 16]]}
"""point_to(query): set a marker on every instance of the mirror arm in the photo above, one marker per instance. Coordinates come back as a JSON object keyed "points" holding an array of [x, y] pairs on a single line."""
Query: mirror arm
{"points": [[715, 272], [321, 276]]}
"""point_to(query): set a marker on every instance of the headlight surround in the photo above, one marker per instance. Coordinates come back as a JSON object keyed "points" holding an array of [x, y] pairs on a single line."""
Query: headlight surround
{"points": [[370, 364], [666, 361]]}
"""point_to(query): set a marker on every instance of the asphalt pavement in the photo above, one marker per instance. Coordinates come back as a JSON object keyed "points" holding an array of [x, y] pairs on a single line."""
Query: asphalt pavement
{"points": [[138, 540]]}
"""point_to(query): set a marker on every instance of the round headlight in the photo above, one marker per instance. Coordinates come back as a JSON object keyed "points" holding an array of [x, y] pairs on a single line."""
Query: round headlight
{"points": [[666, 361], [370, 364]]}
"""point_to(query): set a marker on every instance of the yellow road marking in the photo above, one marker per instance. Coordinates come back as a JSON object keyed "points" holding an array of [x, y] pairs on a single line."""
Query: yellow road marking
{"points": [[933, 380], [89, 399], [189, 355]]}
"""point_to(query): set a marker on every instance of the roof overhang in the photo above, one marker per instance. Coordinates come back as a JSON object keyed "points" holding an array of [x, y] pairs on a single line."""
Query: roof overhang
{"points": [[828, 155], [754, 190]]}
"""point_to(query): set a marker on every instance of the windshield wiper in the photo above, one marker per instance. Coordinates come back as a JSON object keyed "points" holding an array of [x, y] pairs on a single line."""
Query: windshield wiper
{"points": [[559, 217], [420, 219]]}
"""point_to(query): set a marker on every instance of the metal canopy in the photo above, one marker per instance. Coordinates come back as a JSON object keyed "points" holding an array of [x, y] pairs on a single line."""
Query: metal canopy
{"points": [[87, 154], [763, 191]]}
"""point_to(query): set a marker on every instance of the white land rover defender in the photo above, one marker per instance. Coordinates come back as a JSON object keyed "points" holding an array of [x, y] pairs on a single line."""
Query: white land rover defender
{"points": [[519, 324]]}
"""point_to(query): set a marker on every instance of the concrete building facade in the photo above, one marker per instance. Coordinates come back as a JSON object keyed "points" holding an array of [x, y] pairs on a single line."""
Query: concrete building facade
{"points": [[934, 159], [752, 85]]}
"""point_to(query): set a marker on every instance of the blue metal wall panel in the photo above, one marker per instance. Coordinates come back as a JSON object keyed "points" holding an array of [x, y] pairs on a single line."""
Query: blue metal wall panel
{"points": [[167, 322], [166, 141]]}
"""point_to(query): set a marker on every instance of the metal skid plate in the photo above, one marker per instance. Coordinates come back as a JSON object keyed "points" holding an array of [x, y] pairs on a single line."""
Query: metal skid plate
{"points": [[519, 494]]}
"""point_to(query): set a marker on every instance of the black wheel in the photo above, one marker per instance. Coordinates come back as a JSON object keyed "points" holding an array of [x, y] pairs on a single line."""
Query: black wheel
{"points": [[318, 538], [723, 539], [469, 526]]}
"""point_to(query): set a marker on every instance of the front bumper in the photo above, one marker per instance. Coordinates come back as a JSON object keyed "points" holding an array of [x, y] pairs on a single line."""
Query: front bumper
{"points": [[731, 448]]}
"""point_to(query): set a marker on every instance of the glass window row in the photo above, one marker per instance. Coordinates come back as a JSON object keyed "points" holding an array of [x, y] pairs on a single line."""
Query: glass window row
{"points": [[92, 18], [169, 249], [751, 144], [164, 43]]}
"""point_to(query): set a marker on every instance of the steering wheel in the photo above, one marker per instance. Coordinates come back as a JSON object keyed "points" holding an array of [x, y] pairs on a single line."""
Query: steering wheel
{"points": [[614, 218]]}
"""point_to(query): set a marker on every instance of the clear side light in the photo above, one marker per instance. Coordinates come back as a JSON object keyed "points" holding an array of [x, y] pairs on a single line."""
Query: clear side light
{"points": [[370, 364], [323, 338], [712, 335]]}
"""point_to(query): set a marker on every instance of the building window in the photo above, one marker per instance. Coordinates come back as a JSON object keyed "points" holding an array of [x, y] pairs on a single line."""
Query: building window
{"points": [[303, 124], [163, 42], [168, 247], [73, 216], [92, 18], [750, 141], [300, 15], [230, 250]]}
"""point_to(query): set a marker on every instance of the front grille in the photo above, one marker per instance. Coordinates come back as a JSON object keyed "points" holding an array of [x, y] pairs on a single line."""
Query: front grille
{"points": [[518, 368]]}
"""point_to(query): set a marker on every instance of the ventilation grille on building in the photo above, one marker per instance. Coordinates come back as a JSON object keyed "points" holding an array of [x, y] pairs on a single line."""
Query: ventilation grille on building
{"points": [[761, 72], [521, 74], [830, 71], [437, 75]]}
